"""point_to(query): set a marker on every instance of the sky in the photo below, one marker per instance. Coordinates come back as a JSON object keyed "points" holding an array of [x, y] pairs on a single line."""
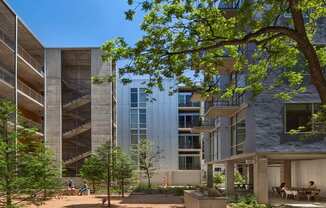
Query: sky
{"points": [[77, 23]]}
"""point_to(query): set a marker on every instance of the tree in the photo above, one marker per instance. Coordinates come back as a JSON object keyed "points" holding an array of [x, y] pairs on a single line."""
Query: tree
{"points": [[147, 155], [261, 37], [26, 166], [122, 169], [93, 170], [219, 178], [104, 154]]}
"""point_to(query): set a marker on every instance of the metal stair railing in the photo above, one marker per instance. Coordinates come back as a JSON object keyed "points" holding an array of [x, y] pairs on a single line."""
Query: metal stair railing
{"points": [[77, 158]]}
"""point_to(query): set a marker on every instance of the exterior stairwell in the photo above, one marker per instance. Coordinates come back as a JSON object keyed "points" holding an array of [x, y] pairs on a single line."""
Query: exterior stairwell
{"points": [[77, 103], [77, 158], [76, 131]]}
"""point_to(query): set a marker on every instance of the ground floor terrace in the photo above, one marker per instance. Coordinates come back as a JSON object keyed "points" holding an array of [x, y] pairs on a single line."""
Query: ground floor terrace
{"points": [[265, 172]]}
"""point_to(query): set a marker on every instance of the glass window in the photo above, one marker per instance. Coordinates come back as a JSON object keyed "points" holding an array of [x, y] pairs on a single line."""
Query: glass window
{"points": [[189, 162], [238, 134], [134, 118], [133, 97], [297, 116], [142, 97], [134, 137], [142, 118]]}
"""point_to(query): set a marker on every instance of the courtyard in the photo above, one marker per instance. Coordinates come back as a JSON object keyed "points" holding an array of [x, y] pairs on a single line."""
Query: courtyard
{"points": [[133, 201]]}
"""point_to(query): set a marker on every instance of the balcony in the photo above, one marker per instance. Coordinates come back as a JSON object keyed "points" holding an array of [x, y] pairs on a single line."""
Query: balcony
{"points": [[28, 123], [29, 61], [26, 90], [230, 8], [7, 40], [206, 125], [223, 108]]}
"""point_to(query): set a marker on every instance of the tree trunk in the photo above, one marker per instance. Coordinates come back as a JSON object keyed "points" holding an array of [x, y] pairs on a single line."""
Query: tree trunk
{"points": [[148, 179], [8, 158], [109, 177], [122, 189]]}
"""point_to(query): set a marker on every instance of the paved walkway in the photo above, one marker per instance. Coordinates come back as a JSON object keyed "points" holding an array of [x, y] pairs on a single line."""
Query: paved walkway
{"points": [[133, 201]]}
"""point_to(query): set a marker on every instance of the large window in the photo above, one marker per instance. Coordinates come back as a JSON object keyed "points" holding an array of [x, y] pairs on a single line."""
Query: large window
{"points": [[138, 116], [189, 162], [185, 100], [238, 133], [189, 142], [188, 120], [298, 116]]}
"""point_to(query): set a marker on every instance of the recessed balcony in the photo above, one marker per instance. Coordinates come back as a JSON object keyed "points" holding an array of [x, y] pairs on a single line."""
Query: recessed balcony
{"points": [[223, 108], [205, 125]]}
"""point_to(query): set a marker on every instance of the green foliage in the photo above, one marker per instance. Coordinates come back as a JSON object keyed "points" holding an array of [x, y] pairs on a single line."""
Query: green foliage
{"points": [[247, 202], [26, 166], [239, 179], [219, 178], [93, 171], [146, 155], [122, 169], [181, 35]]}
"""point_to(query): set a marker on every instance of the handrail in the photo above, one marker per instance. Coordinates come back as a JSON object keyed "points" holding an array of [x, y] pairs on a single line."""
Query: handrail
{"points": [[6, 39], [29, 58], [30, 92]]}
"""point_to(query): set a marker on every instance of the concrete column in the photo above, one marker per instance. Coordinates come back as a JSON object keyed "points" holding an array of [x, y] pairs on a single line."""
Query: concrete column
{"points": [[229, 176], [210, 182], [261, 180], [101, 102], [250, 174], [53, 106], [286, 173]]}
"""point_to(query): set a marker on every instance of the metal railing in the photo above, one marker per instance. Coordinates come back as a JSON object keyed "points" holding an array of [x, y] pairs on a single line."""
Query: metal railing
{"points": [[6, 39], [7, 76], [30, 123], [29, 58], [230, 5], [30, 92], [235, 100], [10, 79]]}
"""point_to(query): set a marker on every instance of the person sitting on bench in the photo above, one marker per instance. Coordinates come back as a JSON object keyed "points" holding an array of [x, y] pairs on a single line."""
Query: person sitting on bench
{"points": [[83, 189]]}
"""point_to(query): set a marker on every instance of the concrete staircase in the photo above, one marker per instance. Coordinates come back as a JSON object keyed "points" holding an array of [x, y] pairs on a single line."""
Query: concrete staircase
{"points": [[77, 158], [77, 103], [76, 131]]}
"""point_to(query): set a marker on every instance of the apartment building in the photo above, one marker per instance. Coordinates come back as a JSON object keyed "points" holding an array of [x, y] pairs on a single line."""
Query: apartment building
{"points": [[252, 135], [166, 120], [53, 91], [22, 71]]}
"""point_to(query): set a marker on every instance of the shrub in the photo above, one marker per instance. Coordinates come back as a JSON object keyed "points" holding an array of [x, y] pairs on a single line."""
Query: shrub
{"points": [[247, 202]]}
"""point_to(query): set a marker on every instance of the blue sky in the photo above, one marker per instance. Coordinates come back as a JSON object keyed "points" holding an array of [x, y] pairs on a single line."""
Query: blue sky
{"points": [[77, 23]]}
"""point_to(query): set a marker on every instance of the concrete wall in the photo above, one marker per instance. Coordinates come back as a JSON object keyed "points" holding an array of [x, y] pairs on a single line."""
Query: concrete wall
{"points": [[162, 121], [175, 177], [53, 133], [101, 102]]}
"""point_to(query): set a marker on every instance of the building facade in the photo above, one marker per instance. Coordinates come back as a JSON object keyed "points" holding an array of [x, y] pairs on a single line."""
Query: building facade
{"points": [[53, 92], [251, 135], [166, 120]]}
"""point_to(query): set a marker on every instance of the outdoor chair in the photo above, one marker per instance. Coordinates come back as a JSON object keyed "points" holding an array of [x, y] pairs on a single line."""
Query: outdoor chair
{"points": [[290, 193]]}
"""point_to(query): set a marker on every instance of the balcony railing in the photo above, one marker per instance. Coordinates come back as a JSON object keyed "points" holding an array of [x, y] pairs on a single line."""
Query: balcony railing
{"points": [[230, 5], [30, 92], [189, 146], [30, 123], [7, 76], [6, 39], [236, 100], [189, 104], [32, 61]]}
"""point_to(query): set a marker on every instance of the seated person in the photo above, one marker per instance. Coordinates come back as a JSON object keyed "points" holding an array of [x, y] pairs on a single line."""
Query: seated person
{"points": [[83, 189], [71, 185], [312, 185]]}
